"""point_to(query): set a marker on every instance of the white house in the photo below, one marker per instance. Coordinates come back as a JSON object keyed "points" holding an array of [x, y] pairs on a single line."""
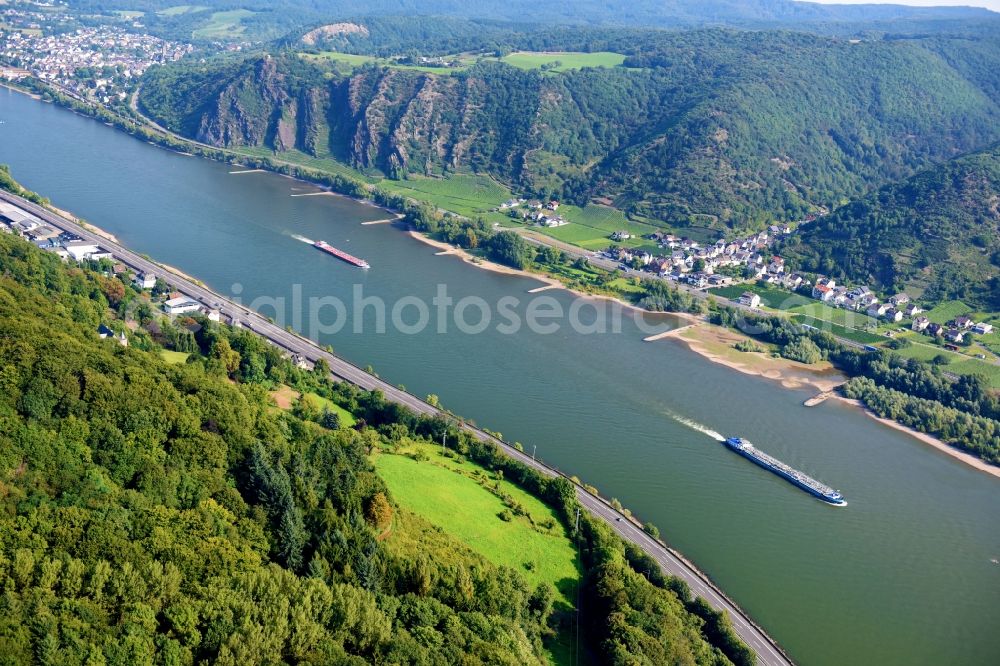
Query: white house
{"points": [[920, 324], [894, 315], [823, 289], [878, 309], [180, 305], [214, 315], [750, 299], [145, 280], [899, 299], [983, 328]]}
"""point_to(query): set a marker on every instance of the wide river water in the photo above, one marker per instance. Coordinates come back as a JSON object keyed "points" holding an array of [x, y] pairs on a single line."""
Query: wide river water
{"points": [[903, 575]]}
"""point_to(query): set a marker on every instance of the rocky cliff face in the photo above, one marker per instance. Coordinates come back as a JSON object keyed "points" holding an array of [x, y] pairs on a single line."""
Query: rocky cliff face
{"points": [[696, 144], [391, 120]]}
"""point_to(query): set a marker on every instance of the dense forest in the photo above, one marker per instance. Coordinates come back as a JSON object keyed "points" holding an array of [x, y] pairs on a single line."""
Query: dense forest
{"points": [[161, 513], [670, 14], [937, 232], [713, 128]]}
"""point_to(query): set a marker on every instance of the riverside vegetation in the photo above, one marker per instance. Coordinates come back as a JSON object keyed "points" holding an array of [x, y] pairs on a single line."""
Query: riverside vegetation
{"points": [[169, 512], [963, 412]]}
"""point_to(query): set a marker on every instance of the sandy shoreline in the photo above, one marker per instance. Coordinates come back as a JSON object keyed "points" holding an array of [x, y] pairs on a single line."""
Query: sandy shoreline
{"points": [[930, 440], [180, 273], [549, 282], [714, 343], [703, 340]]}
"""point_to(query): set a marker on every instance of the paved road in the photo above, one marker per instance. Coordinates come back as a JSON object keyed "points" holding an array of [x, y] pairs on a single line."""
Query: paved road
{"points": [[768, 653]]}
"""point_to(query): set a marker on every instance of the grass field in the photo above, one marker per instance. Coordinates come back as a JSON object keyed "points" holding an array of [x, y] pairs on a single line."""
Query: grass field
{"points": [[327, 164], [840, 316], [838, 330], [177, 10], [223, 24], [947, 311], [449, 494], [566, 61], [347, 419], [174, 357], [521, 60], [350, 61], [591, 227], [467, 195], [772, 297]]}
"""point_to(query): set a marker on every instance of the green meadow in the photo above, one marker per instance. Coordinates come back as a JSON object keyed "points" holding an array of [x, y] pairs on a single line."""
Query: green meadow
{"points": [[461, 498]]}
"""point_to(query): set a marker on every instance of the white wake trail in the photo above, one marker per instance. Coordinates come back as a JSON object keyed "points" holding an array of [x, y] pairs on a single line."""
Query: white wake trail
{"points": [[694, 425], [303, 239]]}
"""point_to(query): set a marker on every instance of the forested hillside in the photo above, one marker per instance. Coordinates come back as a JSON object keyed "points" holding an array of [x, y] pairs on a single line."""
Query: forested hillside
{"points": [[158, 513], [672, 13], [937, 232], [711, 128]]}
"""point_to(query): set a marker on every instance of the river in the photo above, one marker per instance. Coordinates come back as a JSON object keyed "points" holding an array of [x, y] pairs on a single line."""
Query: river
{"points": [[902, 575]]}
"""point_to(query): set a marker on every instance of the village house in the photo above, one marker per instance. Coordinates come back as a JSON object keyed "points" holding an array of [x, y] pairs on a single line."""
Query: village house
{"points": [[894, 315], [983, 328], [621, 236], [962, 322], [954, 335], [912, 310], [823, 289], [935, 330], [750, 299], [145, 280], [920, 324], [878, 309], [899, 299]]}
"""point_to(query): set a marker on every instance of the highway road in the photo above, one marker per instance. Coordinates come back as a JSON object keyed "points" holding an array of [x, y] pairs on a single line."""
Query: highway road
{"points": [[767, 650]]}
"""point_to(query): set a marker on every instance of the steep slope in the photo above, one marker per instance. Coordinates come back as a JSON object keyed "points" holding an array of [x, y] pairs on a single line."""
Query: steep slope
{"points": [[714, 127], [937, 231]]}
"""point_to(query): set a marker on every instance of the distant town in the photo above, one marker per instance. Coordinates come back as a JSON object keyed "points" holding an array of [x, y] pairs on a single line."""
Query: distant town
{"points": [[70, 247], [101, 64]]}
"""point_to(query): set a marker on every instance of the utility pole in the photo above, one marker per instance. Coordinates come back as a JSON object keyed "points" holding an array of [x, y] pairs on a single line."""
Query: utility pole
{"points": [[444, 447], [534, 447]]}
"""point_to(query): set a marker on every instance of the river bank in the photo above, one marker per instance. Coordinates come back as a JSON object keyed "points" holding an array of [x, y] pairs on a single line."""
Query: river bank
{"points": [[930, 440], [716, 344], [549, 281]]}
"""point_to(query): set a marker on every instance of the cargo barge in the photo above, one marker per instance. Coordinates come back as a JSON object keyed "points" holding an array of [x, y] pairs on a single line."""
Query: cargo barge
{"points": [[793, 476], [340, 254]]}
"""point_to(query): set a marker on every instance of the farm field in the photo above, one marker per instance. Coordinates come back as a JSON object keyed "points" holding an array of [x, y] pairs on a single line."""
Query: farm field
{"points": [[352, 61], [840, 331], [840, 316], [177, 10], [772, 297], [223, 24], [326, 164], [455, 496], [947, 311], [591, 227], [566, 61], [468, 195]]}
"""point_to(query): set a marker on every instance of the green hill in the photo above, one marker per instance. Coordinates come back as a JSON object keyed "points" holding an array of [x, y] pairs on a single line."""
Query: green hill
{"points": [[936, 234], [713, 128], [165, 512]]}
